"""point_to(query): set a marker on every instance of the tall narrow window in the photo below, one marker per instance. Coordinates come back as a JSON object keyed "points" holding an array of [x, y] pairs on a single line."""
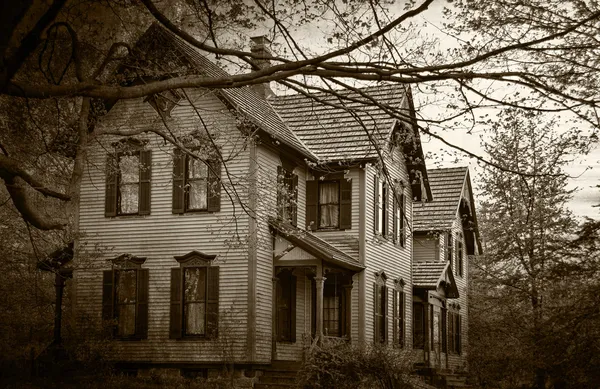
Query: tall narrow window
{"points": [[399, 316], [332, 309], [399, 233], [454, 332], [287, 195], [125, 301], [381, 206], [197, 185], [459, 255], [380, 311], [194, 300], [449, 248], [125, 298], [194, 297]]}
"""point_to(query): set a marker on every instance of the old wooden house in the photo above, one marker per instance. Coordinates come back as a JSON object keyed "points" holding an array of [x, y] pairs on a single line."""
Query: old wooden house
{"points": [[275, 222]]}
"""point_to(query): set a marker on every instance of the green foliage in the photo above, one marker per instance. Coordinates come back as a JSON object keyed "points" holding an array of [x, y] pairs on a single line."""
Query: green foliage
{"points": [[344, 365]]}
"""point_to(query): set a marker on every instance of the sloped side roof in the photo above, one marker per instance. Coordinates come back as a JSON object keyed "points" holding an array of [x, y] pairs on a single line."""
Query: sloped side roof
{"points": [[334, 128], [431, 275], [446, 187], [244, 99], [315, 245]]}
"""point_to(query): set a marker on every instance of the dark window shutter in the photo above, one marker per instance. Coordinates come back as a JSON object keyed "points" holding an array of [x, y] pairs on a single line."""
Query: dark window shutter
{"points": [[376, 206], [395, 316], [214, 186], [178, 181], [108, 300], [451, 331], [145, 178], [401, 317], [384, 309], [294, 206], [458, 334], [293, 308], [376, 313], [312, 204], [108, 295], [212, 303], [401, 221], [385, 212], [345, 204], [176, 326], [110, 200], [280, 192], [141, 316], [444, 331], [395, 221]]}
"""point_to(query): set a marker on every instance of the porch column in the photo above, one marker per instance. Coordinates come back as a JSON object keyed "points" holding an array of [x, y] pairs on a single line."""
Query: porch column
{"points": [[319, 283], [348, 296], [274, 319]]}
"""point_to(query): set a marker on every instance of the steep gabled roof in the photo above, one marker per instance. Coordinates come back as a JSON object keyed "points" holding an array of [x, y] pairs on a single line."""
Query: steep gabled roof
{"points": [[434, 275], [339, 128], [243, 99], [350, 125], [314, 245], [447, 187]]}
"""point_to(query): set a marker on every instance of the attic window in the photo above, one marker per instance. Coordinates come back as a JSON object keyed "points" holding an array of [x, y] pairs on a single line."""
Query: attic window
{"points": [[164, 102]]}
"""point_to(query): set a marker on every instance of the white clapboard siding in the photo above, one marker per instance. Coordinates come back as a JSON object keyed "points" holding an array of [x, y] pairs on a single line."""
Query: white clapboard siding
{"points": [[382, 254], [162, 235], [459, 361]]}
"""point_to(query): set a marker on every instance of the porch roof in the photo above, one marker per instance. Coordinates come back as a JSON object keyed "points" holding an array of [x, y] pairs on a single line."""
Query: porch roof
{"points": [[434, 275], [316, 246]]}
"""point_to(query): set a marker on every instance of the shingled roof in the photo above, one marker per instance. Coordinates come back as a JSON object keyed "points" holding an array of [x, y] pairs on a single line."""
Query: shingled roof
{"points": [[243, 99], [335, 128], [447, 187], [318, 247], [431, 275]]}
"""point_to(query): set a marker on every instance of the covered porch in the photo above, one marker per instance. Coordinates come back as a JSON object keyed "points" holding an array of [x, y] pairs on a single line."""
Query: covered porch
{"points": [[313, 293], [433, 285]]}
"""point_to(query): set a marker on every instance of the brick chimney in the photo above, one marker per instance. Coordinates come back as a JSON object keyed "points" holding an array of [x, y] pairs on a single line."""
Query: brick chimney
{"points": [[260, 46]]}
